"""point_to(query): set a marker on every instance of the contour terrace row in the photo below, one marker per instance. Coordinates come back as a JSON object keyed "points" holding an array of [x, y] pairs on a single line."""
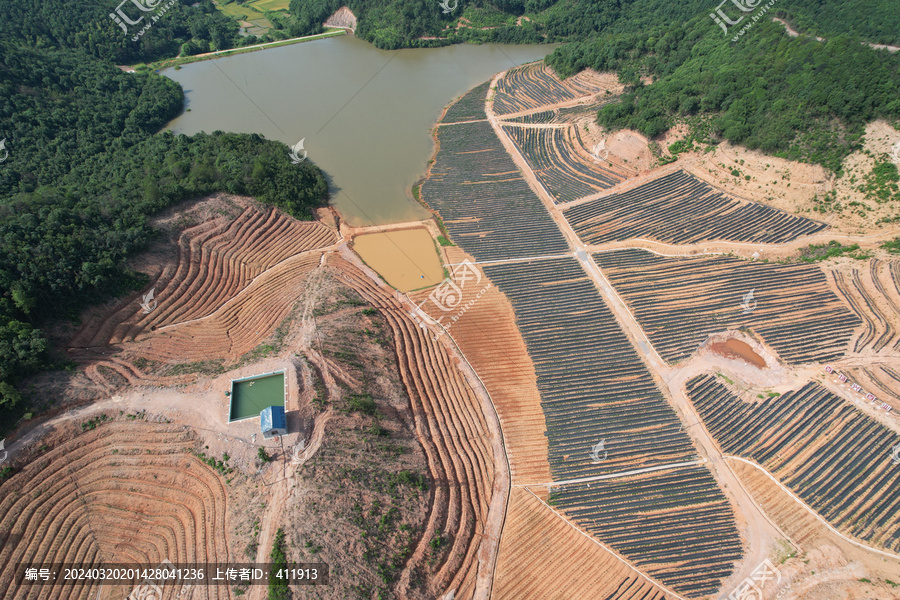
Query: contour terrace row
{"points": [[680, 209]]}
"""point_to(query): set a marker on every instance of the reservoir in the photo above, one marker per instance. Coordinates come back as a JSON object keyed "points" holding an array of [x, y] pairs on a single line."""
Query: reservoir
{"points": [[365, 115]]}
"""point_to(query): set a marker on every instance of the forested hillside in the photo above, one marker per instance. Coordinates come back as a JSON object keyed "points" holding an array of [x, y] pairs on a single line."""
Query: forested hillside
{"points": [[401, 23], [793, 97], [84, 172], [189, 26]]}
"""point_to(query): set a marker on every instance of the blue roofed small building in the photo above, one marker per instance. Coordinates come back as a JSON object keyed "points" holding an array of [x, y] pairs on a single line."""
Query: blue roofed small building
{"points": [[273, 422]]}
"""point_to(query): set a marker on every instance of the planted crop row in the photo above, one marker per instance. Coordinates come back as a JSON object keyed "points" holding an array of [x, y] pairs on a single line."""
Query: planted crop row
{"points": [[470, 107], [680, 209], [679, 302], [534, 85], [553, 154], [834, 457], [863, 292], [567, 114], [592, 383], [125, 491], [483, 198], [676, 525], [538, 550]]}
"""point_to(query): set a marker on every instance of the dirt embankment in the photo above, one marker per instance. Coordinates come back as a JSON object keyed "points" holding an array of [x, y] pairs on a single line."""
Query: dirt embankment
{"points": [[343, 18]]}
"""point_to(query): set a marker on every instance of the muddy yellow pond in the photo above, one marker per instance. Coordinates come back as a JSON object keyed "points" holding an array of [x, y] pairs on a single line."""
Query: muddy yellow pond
{"points": [[407, 258]]}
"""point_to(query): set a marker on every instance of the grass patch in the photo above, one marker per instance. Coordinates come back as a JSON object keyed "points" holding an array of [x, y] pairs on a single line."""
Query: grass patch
{"points": [[362, 403], [278, 586], [892, 246], [444, 241], [833, 249]]}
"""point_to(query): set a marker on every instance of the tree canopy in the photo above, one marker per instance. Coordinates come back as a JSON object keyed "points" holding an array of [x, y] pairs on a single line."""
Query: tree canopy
{"points": [[84, 172]]}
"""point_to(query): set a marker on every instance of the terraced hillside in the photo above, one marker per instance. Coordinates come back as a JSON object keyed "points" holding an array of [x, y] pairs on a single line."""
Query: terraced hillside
{"points": [[544, 557], [567, 114], [680, 209], [559, 159], [492, 344], [454, 435], [535, 85], [217, 259], [681, 301], [834, 457], [873, 294], [483, 198], [592, 382], [127, 492], [675, 525]]}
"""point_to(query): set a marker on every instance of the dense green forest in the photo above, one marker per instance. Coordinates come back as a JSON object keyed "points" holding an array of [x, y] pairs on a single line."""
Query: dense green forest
{"points": [[792, 97], [400, 23], [188, 27], [84, 172]]}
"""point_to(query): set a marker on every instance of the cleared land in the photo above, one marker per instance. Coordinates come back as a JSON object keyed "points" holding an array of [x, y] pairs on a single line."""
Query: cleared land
{"points": [[488, 337], [679, 302], [127, 491], [217, 259], [680, 209], [831, 455], [452, 429]]}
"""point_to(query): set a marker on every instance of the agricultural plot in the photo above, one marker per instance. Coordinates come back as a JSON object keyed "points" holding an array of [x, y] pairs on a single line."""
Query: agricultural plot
{"points": [[680, 209], [593, 385], [131, 491], [566, 114], [558, 158], [492, 344], [542, 557], [881, 380], [483, 198], [454, 435], [679, 302], [470, 107], [535, 85], [834, 457], [874, 296], [216, 260], [675, 525]]}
